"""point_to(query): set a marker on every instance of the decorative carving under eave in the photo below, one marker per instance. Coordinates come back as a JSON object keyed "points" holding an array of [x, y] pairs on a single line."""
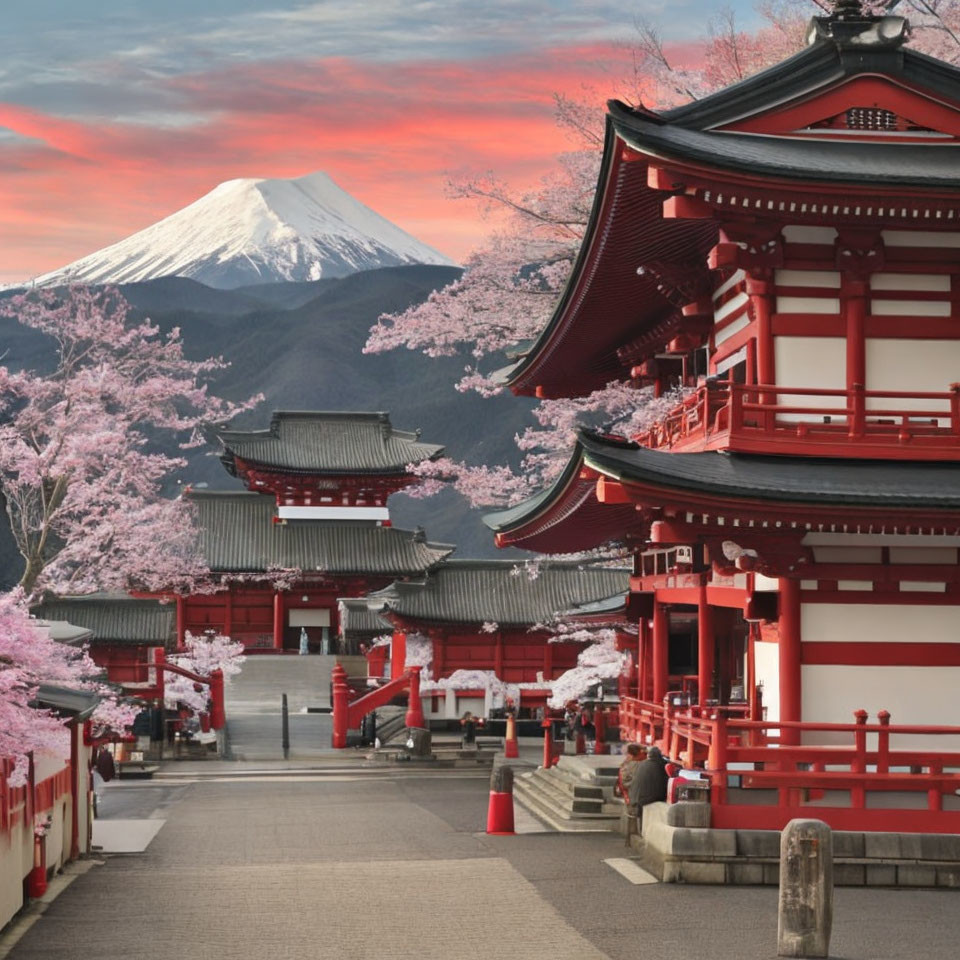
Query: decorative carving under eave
{"points": [[774, 555], [860, 252], [748, 246]]}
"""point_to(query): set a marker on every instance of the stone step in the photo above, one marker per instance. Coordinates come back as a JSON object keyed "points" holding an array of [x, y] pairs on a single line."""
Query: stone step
{"points": [[576, 788], [533, 801], [563, 804], [564, 799]]}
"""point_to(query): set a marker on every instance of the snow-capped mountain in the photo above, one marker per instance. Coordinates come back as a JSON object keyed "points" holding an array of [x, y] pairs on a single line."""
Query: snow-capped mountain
{"points": [[256, 231]]}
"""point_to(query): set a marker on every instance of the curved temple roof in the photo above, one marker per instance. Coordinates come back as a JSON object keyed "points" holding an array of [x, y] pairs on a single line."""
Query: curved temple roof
{"points": [[565, 517], [501, 591], [890, 484], [311, 441], [238, 535], [114, 617], [613, 296]]}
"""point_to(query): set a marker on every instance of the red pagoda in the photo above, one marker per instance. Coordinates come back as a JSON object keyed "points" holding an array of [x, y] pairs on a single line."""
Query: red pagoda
{"points": [[785, 254], [315, 508]]}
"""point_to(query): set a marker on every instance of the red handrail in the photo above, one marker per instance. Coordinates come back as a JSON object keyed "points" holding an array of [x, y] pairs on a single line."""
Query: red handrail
{"points": [[731, 412]]}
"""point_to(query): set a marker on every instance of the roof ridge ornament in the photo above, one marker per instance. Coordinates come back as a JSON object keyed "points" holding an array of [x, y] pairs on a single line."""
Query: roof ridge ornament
{"points": [[851, 27]]}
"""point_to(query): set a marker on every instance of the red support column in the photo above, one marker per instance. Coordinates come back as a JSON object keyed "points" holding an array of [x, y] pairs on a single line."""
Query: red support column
{"points": [[218, 713], [278, 618], [642, 665], [181, 621], [340, 706], [75, 791], [398, 654], [548, 657], [228, 614], [661, 651], [705, 649], [760, 293], [414, 716], [791, 704]]}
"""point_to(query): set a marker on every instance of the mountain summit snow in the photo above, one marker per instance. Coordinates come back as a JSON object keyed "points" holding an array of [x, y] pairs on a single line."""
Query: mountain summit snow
{"points": [[256, 231]]}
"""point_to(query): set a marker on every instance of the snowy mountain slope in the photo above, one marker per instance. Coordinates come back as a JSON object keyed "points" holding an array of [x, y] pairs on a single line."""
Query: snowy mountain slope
{"points": [[256, 231]]}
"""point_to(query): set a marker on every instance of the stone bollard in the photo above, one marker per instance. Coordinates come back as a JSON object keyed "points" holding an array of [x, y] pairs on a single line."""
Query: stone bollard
{"points": [[806, 889], [500, 808], [419, 742]]}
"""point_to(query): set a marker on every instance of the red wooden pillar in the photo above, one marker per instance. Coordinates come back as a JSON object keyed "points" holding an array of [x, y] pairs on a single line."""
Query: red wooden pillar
{"points": [[181, 621], [278, 618], [854, 295], [791, 704], [760, 291], [218, 718], [661, 651], [642, 651], [75, 792], [398, 654], [498, 655], [547, 660], [705, 648], [228, 614], [340, 707], [414, 717]]}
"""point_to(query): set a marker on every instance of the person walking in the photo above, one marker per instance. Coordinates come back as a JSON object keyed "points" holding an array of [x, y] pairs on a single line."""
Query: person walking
{"points": [[648, 784]]}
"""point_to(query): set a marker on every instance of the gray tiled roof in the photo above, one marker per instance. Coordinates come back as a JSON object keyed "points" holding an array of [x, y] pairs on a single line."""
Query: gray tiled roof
{"points": [[502, 591], [114, 618], [238, 535], [311, 441], [360, 618], [856, 483]]}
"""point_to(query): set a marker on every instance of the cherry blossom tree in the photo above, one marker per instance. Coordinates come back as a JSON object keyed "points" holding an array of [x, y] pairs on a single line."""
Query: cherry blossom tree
{"points": [[81, 463], [29, 657], [204, 654]]}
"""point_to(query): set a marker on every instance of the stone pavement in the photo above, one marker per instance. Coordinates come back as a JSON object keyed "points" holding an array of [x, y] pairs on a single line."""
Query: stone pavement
{"points": [[377, 864]]}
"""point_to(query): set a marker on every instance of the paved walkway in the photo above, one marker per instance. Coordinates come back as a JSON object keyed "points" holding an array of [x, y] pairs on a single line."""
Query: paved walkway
{"points": [[388, 864]]}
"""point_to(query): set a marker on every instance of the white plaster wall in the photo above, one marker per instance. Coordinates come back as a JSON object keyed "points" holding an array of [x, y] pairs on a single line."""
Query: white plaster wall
{"points": [[915, 695], [912, 365], [812, 363], [16, 860], [880, 623], [767, 672]]}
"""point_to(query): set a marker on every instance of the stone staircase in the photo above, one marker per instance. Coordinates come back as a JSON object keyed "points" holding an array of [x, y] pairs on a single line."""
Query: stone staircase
{"points": [[576, 796]]}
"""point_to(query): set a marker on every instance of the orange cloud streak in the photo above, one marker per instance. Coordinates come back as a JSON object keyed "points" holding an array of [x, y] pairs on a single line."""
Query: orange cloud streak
{"points": [[388, 133]]}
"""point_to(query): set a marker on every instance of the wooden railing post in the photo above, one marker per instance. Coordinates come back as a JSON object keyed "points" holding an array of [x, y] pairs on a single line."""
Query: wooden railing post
{"points": [[414, 716], [858, 793], [667, 725], [934, 796], [883, 742], [547, 744], [341, 707]]}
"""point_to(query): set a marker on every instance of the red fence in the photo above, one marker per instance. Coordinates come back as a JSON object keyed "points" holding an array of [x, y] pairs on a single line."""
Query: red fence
{"points": [[864, 784], [14, 806], [751, 417]]}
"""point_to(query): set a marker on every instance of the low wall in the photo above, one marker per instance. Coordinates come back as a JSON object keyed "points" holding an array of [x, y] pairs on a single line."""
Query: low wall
{"points": [[679, 846]]}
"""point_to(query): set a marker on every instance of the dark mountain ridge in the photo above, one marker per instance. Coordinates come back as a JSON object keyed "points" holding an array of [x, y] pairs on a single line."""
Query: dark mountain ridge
{"points": [[300, 344]]}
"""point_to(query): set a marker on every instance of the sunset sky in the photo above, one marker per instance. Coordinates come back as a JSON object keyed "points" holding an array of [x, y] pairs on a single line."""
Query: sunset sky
{"points": [[115, 113]]}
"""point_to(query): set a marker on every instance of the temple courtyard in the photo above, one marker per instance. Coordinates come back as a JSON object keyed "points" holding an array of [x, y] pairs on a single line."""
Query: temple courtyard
{"points": [[340, 861]]}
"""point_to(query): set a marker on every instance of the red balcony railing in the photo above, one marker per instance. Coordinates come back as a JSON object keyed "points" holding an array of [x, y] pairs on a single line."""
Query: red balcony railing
{"points": [[764, 772], [885, 424]]}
